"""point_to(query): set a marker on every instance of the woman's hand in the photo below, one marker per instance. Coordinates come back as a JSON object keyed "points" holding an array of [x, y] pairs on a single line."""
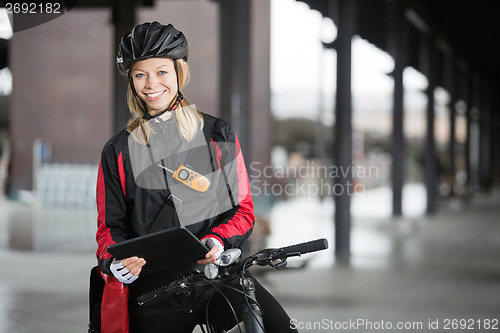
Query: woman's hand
{"points": [[134, 265], [210, 256], [216, 248], [127, 270]]}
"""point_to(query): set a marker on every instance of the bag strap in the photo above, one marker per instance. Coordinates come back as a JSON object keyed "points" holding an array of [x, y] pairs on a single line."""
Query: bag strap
{"points": [[167, 211], [208, 126]]}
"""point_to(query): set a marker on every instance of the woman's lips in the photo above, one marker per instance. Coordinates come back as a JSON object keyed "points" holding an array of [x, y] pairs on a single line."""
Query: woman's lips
{"points": [[155, 96]]}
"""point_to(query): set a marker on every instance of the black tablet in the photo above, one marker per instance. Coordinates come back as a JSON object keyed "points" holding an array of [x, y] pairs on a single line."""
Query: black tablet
{"points": [[162, 250]]}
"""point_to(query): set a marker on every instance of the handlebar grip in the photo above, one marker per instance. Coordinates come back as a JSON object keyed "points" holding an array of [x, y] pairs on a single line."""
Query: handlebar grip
{"points": [[307, 247]]}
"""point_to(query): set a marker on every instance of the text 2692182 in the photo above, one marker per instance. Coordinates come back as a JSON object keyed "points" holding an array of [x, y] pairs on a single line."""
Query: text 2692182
{"points": [[33, 7]]}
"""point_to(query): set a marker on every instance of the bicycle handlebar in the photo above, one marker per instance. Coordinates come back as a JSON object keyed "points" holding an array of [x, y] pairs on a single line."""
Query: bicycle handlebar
{"points": [[302, 248], [268, 256]]}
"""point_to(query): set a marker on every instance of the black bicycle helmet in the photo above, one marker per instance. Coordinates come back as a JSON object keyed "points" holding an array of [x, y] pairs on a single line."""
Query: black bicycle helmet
{"points": [[149, 40]]}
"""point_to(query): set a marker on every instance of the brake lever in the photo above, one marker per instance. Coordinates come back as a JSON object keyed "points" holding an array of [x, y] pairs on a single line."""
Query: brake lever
{"points": [[262, 258], [279, 264]]}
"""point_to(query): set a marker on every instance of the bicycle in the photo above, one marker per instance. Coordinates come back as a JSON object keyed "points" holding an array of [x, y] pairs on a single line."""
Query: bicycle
{"points": [[230, 273]]}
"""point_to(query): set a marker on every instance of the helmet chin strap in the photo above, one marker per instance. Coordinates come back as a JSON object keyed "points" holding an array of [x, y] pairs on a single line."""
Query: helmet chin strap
{"points": [[172, 107]]}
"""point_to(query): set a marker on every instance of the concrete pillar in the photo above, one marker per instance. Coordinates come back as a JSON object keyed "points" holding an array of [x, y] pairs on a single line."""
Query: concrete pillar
{"points": [[495, 139], [429, 66], [397, 32], [235, 67], [342, 155], [262, 123], [124, 19], [485, 121], [453, 86], [473, 133], [465, 85]]}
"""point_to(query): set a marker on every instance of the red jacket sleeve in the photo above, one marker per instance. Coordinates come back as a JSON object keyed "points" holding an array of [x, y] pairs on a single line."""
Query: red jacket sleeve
{"points": [[111, 204]]}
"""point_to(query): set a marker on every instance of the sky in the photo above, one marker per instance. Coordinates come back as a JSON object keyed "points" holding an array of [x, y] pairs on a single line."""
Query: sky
{"points": [[5, 29], [296, 35], [5, 74], [301, 68]]}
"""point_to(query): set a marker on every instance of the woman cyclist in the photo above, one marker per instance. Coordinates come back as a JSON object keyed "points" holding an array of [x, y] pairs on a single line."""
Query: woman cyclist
{"points": [[137, 193]]}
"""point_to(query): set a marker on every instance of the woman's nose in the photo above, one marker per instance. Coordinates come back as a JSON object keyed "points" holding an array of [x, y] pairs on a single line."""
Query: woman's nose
{"points": [[151, 81]]}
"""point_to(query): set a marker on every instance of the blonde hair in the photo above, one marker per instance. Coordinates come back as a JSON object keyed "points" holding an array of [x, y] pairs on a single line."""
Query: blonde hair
{"points": [[188, 117]]}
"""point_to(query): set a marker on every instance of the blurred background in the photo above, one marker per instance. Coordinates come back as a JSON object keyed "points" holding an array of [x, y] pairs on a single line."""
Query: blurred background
{"points": [[371, 123]]}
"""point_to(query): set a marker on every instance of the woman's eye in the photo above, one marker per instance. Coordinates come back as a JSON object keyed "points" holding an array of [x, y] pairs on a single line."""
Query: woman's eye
{"points": [[162, 72], [139, 76]]}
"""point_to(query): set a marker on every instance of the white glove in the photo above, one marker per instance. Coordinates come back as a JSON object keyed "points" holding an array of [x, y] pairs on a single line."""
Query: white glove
{"points": [[210, 242], [121, 272]]}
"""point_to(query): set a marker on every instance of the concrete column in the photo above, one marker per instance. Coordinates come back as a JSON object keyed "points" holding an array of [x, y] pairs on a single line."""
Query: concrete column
{"points": [[262, 122], [124, 19], [453, 86], [235, 67], [429, 65], [485, 121], [495, 139], [465, 90], [473, 133], [342, 155], [397, 32]]}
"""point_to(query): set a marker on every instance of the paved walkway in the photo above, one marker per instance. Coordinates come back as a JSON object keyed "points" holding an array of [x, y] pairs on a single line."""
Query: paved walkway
{"points": [[419, 273]]}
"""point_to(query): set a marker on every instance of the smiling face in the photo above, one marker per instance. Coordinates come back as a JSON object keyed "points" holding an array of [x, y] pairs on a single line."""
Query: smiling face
{"points": [[155, 82]]}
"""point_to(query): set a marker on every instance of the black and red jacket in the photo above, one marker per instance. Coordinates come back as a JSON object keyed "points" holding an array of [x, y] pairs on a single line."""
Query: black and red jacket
{"points": [[126, 210]]}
